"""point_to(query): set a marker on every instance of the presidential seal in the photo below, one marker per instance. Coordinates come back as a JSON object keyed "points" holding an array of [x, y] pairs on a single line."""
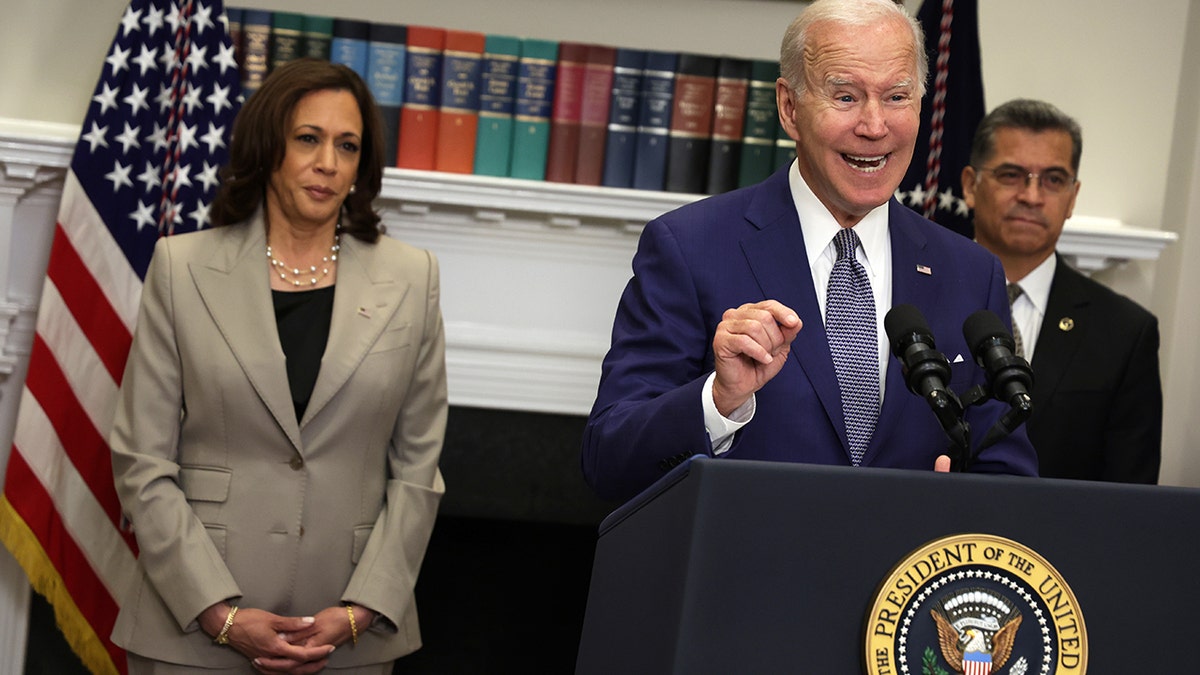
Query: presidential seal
{"points": [[976, 604]]}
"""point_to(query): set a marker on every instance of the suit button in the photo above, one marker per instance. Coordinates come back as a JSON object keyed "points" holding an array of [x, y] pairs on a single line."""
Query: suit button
{"points": [[301, 530], [297, 463]]}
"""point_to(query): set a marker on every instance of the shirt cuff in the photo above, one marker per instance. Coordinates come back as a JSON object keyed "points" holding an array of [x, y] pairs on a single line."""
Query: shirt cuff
{"points": [[720, 428]]}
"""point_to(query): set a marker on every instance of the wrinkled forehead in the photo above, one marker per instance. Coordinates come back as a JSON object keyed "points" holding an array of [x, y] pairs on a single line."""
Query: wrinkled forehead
{"points": [[882, 53]]}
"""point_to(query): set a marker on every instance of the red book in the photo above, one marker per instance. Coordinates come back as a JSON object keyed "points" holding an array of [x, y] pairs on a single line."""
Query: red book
{"points": [[462, 61], [691, 123], [420, 111], [729, 116], [565, 115], [593, 115]]}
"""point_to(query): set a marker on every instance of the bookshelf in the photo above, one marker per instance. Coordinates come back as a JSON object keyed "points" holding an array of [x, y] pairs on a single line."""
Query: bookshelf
{"points": [[531, 270]]}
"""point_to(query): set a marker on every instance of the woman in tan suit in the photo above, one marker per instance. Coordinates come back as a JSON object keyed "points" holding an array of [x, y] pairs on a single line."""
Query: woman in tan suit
{"points": [[282, 412]]}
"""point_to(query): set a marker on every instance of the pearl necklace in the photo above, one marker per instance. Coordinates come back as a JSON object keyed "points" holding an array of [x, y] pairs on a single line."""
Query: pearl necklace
{"points": [[310, 277]]}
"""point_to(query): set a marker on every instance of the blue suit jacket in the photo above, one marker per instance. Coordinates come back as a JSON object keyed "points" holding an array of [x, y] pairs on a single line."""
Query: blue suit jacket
{"points": [[745, 246]]}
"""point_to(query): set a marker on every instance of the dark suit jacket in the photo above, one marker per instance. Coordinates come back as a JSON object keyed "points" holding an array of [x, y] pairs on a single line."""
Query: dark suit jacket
{"points": [[744, 246], [1097, 396]]}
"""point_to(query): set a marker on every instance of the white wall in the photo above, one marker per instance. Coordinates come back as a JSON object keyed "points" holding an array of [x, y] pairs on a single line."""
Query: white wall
{"points": [[1129, 71]]}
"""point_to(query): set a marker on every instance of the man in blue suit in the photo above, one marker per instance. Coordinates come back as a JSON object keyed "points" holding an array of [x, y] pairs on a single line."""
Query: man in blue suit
{"points": [[721, 341]]}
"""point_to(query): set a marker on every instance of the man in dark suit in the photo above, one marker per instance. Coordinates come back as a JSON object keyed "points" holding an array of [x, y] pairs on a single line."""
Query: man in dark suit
{"points": [[1097, 397], [744, 334]]}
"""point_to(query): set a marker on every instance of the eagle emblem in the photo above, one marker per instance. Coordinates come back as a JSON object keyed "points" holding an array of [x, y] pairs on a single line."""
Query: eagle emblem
{"points": [[976, 630]]}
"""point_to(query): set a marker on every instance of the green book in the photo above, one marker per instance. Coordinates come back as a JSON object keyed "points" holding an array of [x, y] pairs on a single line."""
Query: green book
{"points": [[497, 101], [318, 34], [762, 123], [785, 149], [287, 38], [536, 73]]}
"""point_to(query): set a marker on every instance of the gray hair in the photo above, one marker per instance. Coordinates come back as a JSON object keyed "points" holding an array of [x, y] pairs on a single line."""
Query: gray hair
{"points": [[1028, 114], [846, 13]]}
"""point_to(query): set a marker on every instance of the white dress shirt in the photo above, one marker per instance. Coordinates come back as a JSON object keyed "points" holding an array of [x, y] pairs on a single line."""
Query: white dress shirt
{"points": [[819, 228], [1029, 309]]}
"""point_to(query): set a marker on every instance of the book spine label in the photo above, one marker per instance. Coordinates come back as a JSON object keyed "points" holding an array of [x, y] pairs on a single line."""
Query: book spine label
{"points": [[693, 114], [531, 132], [497, 103]]}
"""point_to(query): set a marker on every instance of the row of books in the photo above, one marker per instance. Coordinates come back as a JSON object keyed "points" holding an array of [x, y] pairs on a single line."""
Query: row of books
{"points": [[569, 112]]}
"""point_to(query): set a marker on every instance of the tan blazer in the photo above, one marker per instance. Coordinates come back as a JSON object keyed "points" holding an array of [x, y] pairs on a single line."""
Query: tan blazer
{"points": [[230, 497]]}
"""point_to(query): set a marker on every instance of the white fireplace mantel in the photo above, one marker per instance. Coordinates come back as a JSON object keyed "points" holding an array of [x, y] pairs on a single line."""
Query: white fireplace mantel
{"points": [[531, 271]]}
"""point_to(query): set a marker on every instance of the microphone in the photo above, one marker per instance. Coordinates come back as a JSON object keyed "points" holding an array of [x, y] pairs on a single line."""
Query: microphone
{"points": [[926, 371], [1008, 375]]}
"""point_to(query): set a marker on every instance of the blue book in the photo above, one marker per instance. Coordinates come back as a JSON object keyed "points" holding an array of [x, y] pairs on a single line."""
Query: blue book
{"points": [[497, 102], [654, 121], [351, 44], [385, 78], [623, 112]]}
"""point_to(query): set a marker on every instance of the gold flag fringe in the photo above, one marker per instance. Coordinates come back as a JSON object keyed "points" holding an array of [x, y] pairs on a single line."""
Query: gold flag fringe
{"points": [[45, 579]]}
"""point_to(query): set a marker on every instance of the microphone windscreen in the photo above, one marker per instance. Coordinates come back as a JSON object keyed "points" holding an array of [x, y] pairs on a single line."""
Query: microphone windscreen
{"points": [[981, 326], [904, 320]]}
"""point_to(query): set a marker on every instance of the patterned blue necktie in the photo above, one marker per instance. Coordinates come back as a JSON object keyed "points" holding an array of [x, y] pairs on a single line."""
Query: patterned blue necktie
{"points": [[853, 342]]}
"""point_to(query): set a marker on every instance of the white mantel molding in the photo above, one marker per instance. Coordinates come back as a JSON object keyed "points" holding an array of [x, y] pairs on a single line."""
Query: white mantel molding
{"points": [[531, 271]]}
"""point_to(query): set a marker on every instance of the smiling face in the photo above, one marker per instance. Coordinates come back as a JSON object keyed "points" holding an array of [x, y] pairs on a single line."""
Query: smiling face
{"points": [[1021, 224], [857, 119], [320, 161]]}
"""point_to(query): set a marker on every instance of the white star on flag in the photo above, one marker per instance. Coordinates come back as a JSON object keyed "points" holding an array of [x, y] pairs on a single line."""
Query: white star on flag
{"points": [[62, 521]]}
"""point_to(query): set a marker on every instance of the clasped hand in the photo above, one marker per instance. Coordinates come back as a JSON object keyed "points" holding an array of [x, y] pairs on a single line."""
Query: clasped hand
{"points": [[750, 346], [283, 644]]}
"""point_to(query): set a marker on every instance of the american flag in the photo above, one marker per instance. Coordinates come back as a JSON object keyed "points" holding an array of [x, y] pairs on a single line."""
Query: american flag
{"points": [[950, 111], [145, 166]]}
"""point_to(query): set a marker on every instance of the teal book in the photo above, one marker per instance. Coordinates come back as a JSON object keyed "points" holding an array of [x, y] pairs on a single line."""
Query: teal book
{"points": [[536, 73], [287, 38], [318, 34], [762, 121], [497, 103]]}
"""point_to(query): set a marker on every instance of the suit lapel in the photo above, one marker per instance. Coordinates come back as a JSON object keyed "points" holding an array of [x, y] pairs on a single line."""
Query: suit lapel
{"points": [[911, 259], [366, 297], [1056, 347], [777, 255], [235, 289]]}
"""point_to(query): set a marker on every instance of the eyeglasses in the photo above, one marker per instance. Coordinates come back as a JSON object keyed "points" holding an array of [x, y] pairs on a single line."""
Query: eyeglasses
{"points": [[1012, 176]]}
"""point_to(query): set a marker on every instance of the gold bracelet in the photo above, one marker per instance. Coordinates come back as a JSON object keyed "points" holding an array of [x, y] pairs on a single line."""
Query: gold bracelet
{"points": [[223, 637], [353, 627]]}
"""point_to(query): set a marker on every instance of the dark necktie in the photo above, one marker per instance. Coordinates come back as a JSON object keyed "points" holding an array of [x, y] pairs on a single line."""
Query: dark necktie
{"points": [[853, 342], [1014, 292]]}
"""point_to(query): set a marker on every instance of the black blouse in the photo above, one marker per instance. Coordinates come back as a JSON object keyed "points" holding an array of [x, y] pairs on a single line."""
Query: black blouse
{"points": [[303, 319]]}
